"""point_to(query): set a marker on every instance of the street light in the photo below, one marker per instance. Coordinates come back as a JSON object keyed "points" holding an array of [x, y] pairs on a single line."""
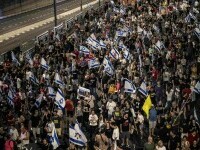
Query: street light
{"points": [[55, 12]]}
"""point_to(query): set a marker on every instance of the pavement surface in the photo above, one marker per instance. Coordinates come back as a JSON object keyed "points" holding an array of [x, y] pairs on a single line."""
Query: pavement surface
{"points": [[23, 28]]}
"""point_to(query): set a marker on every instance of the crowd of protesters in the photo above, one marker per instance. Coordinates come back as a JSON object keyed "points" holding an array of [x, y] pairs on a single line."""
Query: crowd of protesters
{"points": [[110, 117]]}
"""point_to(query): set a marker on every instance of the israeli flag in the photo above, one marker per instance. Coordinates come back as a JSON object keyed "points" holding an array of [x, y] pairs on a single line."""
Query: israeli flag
{"points": [[54, 139], [51, 92], [126, 54], [192, 16], [197, 32], [121, 33], [75, 137], [83, 91], [57, 80], [109, 69], [143, 89], [93, 63], [80, 132], [44, 64], [102, 44], [33, 79], [10, 98], [159, 45], [60, 100], [84, 50], [94, 43], [114, 54], [39, 100], [129, 87], [116, 10], [29, 59], [197, 88], [14, 59]]}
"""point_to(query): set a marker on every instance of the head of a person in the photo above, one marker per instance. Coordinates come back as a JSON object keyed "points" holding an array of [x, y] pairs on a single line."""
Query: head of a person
{"points": [[126, 115], [160, 143], [93, 112], [150, 139], [45, 141]]}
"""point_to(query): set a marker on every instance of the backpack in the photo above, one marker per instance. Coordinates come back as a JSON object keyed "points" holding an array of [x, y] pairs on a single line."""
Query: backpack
{"points": [[14, 145]]}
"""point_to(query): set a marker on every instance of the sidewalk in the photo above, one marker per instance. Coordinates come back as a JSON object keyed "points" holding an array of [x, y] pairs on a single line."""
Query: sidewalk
{"points": [[27, 6]]}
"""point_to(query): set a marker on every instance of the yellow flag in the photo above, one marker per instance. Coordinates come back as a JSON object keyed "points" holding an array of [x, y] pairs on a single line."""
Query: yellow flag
{"points": [[147, 105]]}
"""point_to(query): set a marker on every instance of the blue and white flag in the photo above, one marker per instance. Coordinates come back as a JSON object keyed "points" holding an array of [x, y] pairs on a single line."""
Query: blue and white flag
{"points": [[102, 44], [60, 100], [197, 32], [80, 132], [84, 50], [75, 137], [33, 79], [51, 92], [121, 33], [108, 68], [129, 87], [143, 89], [83, 91], [57, 80], [14, 59], [10, 98], [114, 53], [44, 64], [93, 63], [189, 17], [94, 43], [126, 53], [39, 100], [54, 139], [29, 59], [159, 45], [197, 88]]}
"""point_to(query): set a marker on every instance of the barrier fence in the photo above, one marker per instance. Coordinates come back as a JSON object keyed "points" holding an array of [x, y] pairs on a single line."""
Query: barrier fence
{"points": [[64, 28]]}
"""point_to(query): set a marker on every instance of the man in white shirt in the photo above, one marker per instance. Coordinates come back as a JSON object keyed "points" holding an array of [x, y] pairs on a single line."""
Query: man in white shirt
{"points": [[110, 107], [93, 122]]}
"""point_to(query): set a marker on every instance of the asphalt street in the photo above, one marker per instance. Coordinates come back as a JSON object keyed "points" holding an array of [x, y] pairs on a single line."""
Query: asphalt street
{"points": [[25, 19]]}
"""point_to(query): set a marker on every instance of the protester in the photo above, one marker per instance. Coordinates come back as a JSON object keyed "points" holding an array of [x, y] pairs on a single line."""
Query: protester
{"points": [[131, 68]]}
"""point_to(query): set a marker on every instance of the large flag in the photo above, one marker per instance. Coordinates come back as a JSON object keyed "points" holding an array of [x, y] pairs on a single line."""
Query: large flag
{"points": [[102, 44], [94, 43], [60, 100], [51, 92], [54, 139], [129, 87], [34, 79], [29, 59], [84, 50], [39, 100], [197, 32], [126, 53], [108, 68], [83, 91], [10, 98], [44, 64], [143, 89], [75, 137], [57, 79], [93, 63], [79, 131], [121, 33], [147, 105], [197, 88], [14, 59], [114, 53]]}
